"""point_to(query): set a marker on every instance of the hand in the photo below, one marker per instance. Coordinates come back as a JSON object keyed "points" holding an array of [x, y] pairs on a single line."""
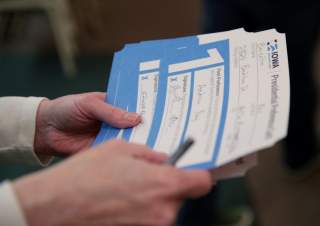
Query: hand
{"points": [[111, 185], [69, 124]]}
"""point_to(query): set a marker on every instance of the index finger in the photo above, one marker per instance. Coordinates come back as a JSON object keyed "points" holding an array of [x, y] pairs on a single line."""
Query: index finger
{"points": [[191, 183]]}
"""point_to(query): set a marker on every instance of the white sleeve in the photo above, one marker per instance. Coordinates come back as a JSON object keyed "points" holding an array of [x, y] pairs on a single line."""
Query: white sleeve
{"points": [[17, 130], [10, 211]]}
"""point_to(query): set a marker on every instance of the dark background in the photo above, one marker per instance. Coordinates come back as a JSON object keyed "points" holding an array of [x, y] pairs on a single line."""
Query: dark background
{"points": [[30, 66]]}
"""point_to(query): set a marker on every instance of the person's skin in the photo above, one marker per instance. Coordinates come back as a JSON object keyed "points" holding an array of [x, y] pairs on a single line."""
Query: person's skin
{"points": [[111, 185], [114, 184], [69, 124]]}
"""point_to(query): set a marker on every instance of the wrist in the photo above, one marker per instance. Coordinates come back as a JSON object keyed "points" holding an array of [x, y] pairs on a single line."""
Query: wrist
{"points": [[46, 197], [36, 199], [42, 122]]}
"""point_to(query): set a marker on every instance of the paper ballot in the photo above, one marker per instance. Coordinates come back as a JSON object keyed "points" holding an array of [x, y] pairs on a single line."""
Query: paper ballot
{"points": [[229, 91]]}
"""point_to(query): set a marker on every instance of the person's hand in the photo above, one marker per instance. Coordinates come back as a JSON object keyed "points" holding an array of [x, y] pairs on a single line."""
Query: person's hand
{"points": [[111, 185], [69, 124]]}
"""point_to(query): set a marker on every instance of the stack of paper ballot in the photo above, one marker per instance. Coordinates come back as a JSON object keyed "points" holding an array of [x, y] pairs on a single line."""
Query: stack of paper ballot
{"points": [[229, 91]]}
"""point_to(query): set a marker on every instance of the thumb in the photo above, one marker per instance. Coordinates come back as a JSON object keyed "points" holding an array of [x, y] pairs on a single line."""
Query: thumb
{"points": [[113, 116]]}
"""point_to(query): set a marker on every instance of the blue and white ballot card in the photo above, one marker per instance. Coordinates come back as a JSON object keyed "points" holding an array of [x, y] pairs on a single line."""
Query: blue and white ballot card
{"points": [[228, 90]]}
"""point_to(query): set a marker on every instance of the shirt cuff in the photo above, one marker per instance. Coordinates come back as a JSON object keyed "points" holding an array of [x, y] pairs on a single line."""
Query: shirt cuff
{"points": [[18, 131], [11, 213]]}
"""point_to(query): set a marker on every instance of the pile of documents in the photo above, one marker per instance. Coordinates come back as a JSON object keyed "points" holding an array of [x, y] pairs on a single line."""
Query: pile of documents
{"points": [[229, 91]]}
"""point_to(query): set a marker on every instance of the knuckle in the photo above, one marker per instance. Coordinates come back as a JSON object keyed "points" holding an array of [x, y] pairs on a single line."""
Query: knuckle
{"points": [[116, 142], [175, 179], [141, 147], [165, 178], [95, 93], [115, 145], [88, 97], [170, 182]]}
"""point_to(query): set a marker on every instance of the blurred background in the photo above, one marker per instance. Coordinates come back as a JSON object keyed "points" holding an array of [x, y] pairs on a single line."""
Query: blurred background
{"points": [[57, 47]]}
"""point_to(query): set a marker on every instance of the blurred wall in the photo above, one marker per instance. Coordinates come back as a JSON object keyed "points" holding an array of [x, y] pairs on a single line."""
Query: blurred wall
{"points": [[108, 25]]}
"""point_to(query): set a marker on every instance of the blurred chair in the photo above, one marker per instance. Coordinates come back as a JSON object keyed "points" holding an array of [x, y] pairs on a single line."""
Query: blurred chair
{"points": [[58, 12]]}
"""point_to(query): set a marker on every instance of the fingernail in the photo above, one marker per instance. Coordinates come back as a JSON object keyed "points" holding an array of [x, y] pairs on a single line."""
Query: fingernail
{"points": [[132, 117]]}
